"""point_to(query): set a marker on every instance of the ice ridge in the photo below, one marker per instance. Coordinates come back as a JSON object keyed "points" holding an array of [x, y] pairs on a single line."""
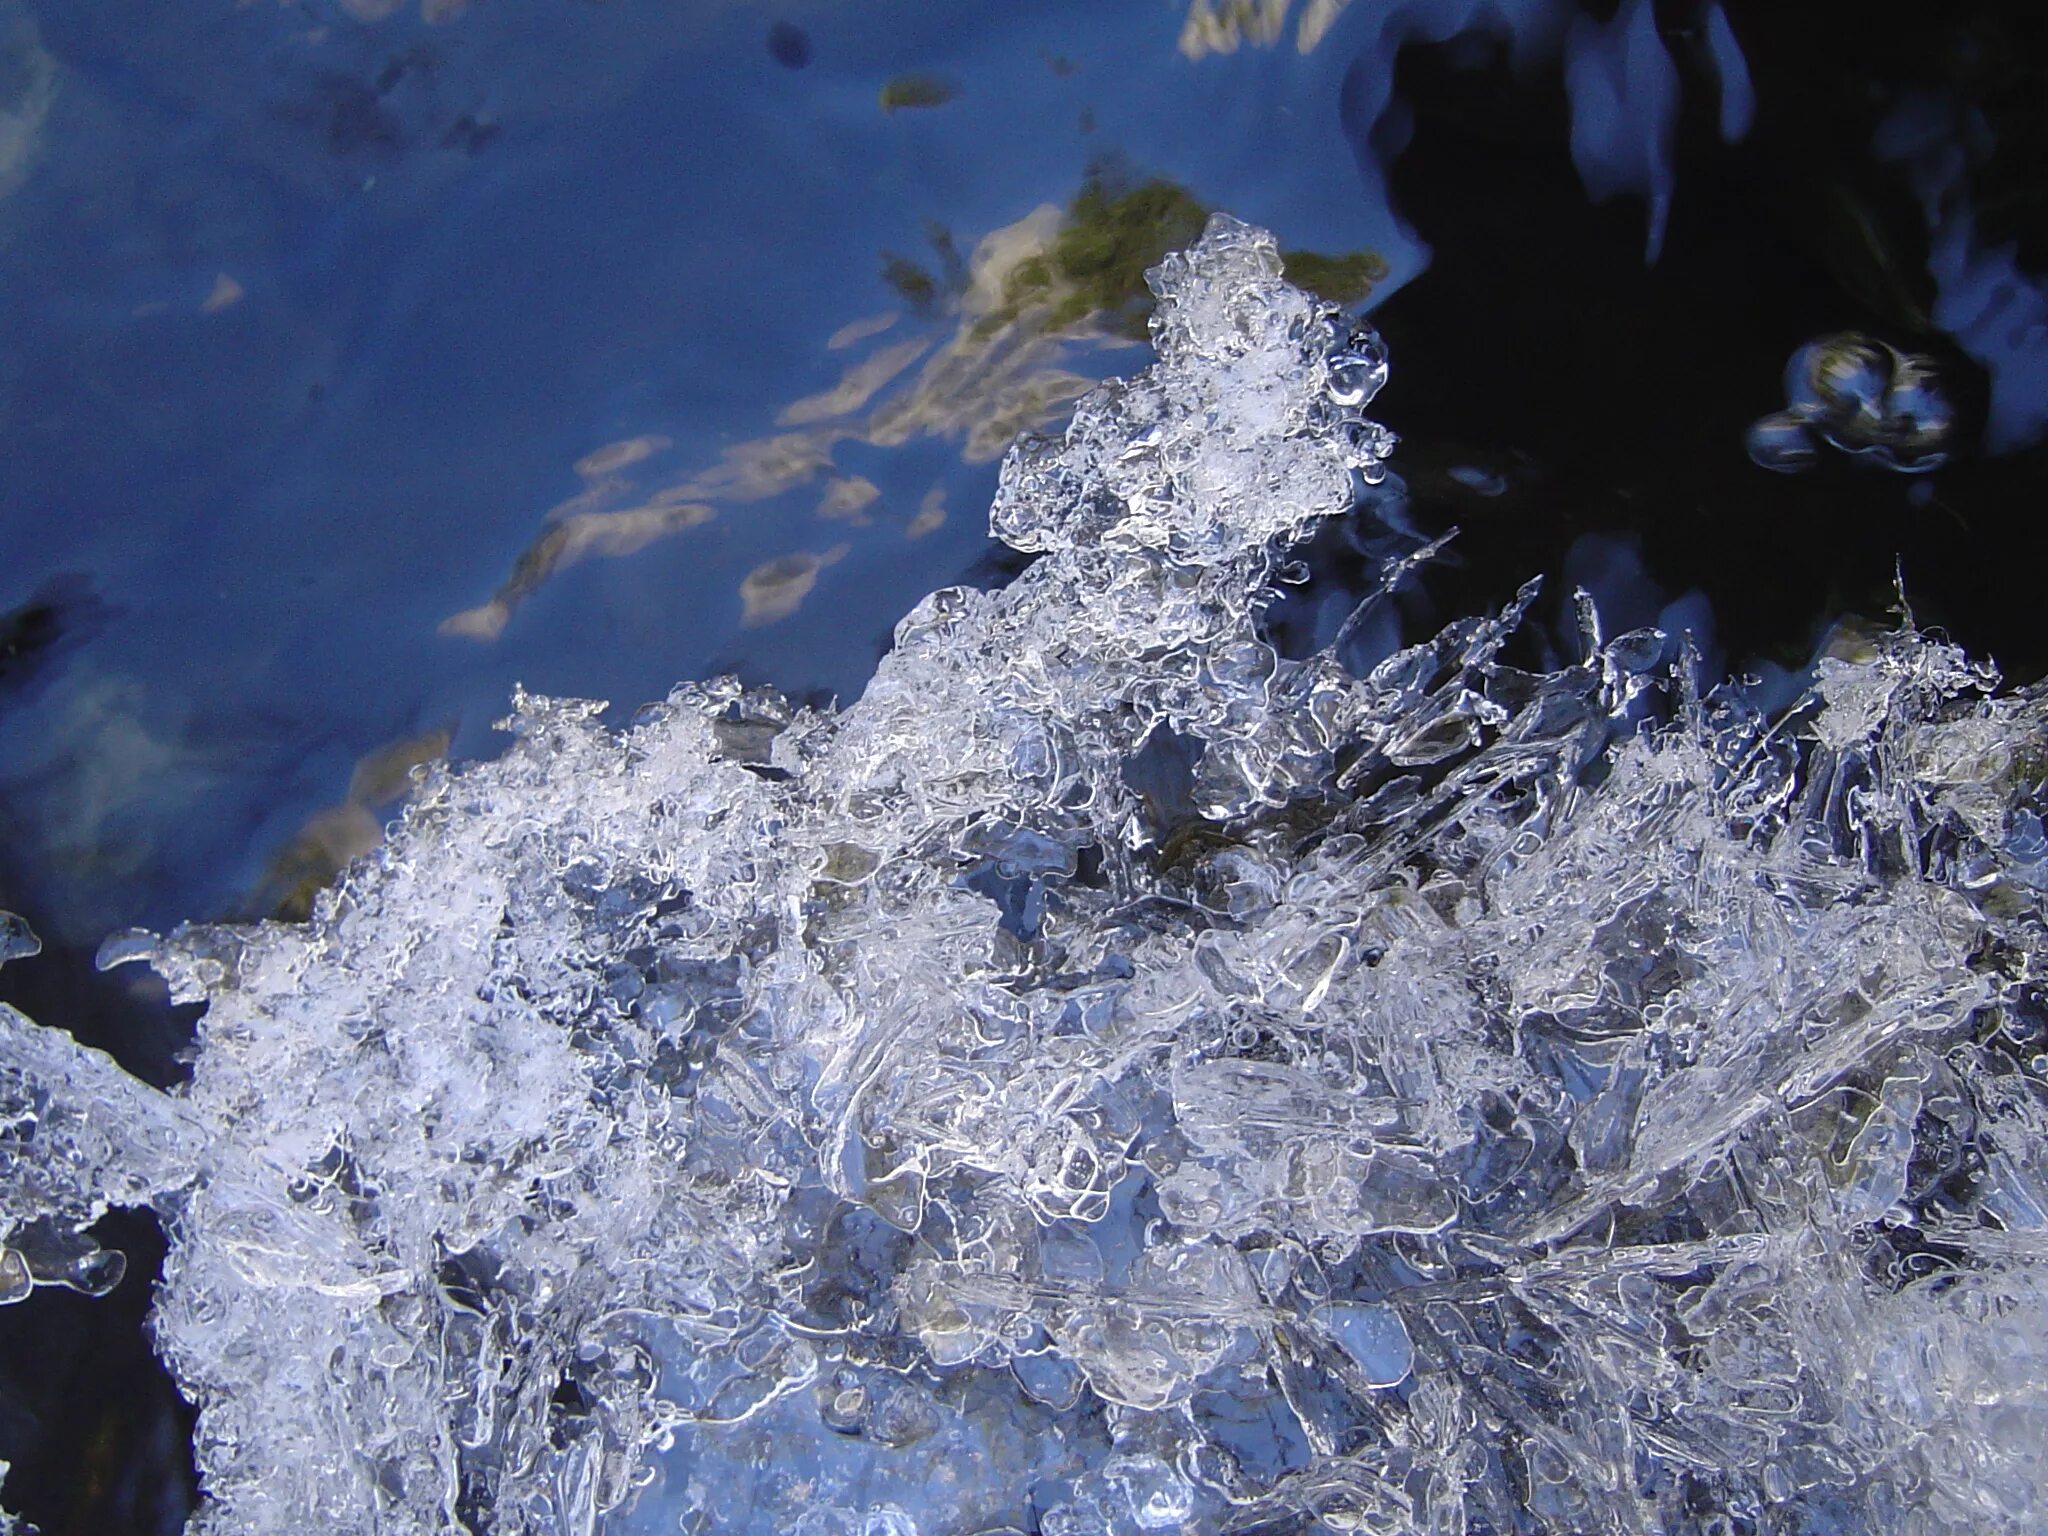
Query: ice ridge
{"points": [[1112, 1078]]}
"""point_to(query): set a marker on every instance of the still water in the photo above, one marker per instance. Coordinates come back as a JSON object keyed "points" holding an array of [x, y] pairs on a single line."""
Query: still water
{"points": [[317, 331], [361, 360]]}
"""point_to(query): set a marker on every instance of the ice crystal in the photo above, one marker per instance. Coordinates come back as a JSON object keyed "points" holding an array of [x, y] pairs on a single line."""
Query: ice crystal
{"points": [[1113, 1078]]}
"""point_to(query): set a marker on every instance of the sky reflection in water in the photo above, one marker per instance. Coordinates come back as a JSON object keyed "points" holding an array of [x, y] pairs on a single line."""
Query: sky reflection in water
{"points": [[309, 327]]}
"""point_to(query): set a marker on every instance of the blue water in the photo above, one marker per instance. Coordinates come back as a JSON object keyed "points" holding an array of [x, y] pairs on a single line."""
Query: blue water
{"points": [[274, 504]]}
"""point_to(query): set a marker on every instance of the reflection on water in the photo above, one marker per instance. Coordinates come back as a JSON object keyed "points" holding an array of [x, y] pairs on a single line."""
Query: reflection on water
{"points": [[113, 768], [1995, 311], [578, 537], [225, 293], [931, 514], [847, 498], [1861, 396], [1221, 26], [861, 381], [1001, 332], [773, 589], [28, 85], [430, 10], [1624, 93], [333, 837], [918, 91]]}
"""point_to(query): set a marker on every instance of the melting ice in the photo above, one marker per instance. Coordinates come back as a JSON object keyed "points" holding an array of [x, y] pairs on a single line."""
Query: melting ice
{"points": [[1114, 1079]]}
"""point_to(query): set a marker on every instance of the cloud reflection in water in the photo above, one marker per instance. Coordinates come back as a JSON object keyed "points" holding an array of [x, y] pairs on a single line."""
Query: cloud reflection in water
{"points": [[1001, 337]]}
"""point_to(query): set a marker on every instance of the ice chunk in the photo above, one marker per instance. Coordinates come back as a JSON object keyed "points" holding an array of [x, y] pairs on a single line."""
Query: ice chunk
{"points": [[77, 1136], [1115, 1078], [17, 940], [1376, 1339]]}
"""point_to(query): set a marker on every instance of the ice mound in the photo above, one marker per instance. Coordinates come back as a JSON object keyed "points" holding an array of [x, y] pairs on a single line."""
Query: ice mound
{"points": [[1113, 1079]]}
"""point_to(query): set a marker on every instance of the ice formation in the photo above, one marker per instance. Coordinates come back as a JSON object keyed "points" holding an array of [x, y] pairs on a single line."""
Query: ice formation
{"points": [[1114, 1079]]}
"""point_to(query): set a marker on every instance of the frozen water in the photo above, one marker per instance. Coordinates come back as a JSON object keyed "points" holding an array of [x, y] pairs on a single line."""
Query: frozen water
{"points": [[1115, 1079], [1373, 1336]]}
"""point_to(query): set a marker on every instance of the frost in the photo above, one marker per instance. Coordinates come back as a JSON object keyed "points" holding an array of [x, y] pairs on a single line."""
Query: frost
{"points": [[1113, 1078]]}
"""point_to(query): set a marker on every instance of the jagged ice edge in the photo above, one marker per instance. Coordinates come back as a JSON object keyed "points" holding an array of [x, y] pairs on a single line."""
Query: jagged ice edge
{"points": [[1422, 1013]]}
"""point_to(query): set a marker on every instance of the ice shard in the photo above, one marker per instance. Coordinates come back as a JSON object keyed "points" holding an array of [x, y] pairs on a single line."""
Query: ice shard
{"points": [[1114, 1078]]}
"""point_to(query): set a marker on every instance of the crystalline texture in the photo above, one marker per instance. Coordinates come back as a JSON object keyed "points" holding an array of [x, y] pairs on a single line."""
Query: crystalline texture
{"points": [[1113, 1078]]}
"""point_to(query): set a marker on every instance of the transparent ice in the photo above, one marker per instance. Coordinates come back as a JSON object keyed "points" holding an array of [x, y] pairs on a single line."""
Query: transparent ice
{"points": [[1114, 1079]]}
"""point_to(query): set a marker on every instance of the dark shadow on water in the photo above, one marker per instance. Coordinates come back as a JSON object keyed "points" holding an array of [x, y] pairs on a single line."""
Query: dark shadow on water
{"points": [[1615, 395], [100, 1441], [60, 614]]}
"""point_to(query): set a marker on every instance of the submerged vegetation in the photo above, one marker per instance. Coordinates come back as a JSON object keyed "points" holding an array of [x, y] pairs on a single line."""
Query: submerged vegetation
{"points": [[1343, 280], [1092, 274], [916, 90]]}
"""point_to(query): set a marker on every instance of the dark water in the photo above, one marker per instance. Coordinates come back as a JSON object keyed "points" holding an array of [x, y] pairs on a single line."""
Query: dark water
{"points": [[356, 367]]}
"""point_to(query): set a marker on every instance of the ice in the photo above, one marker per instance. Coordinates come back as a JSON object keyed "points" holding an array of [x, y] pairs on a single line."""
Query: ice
{"points": [[1375, 1338], [1114, 1078], [17, 940]]}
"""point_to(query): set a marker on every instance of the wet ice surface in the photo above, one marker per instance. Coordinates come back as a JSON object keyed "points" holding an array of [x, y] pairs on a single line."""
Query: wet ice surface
{"points": [[1114, 1079]]}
